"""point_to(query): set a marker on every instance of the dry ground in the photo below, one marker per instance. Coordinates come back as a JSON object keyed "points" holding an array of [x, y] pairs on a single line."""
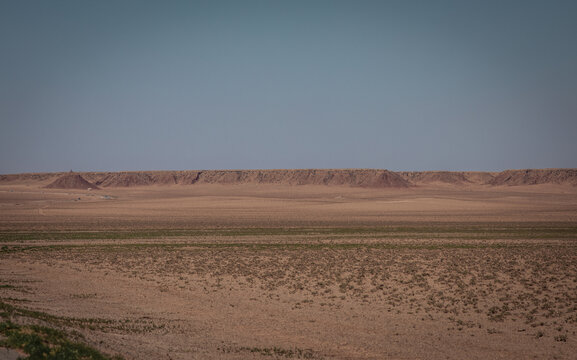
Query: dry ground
{"points": [[321, 272]]}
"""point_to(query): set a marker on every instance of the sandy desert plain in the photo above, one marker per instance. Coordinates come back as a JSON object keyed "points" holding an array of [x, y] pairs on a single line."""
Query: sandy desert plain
{"points": [[436, 266]]}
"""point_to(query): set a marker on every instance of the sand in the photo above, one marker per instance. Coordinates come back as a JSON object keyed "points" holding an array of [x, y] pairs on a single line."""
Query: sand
{"points": [[434, 270]]}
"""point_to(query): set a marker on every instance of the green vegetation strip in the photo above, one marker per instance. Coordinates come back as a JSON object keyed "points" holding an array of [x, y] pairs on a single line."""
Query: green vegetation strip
{"points": [[41, 342], [276, 352], [403, 232], [8, 310], [274, 246]]}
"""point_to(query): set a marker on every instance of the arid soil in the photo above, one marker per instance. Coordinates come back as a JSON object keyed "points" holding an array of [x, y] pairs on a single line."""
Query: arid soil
{"points": [[432, 270]]}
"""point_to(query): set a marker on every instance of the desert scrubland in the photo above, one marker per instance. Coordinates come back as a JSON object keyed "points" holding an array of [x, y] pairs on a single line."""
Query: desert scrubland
{"points": [[313, 264]]}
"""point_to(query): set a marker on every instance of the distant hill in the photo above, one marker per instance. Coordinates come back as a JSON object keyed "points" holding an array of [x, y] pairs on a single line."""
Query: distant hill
{"points": [[71, 181], [535, 177], [373, 178], [447, 177], [361, 178]]}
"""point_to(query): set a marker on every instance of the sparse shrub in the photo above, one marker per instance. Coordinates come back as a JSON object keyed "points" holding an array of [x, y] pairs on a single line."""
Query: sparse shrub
{"points": [[561, 338]]}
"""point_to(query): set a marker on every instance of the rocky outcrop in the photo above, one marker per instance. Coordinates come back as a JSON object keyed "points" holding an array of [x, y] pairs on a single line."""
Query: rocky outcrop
{"points": [[447, 177], [71, 181], [535, 177], [361, 178], [373, 178]]}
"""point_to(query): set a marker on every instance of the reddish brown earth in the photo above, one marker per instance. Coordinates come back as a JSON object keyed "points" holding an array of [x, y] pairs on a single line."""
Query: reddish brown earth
{"points": [[448, 177], [347, 177], [322, 264], [71, 181], [534, 177], [356, 177]]}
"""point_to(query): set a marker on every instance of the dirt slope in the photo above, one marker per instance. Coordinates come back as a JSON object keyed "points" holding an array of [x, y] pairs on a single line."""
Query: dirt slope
{"points": [[536, 176], [28, 177], [348, 177], [447, 177], [361, 178], [71, 181]]}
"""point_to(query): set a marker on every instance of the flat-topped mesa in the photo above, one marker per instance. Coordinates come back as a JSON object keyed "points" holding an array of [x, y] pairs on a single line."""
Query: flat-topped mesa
{"points": [[446, 177], [355, 177], [536, 177], [370, 178], [71, 181], [360, 177]]}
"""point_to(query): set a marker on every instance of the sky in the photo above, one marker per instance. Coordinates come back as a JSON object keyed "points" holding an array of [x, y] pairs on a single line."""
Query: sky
{"points": [[115, 85]]}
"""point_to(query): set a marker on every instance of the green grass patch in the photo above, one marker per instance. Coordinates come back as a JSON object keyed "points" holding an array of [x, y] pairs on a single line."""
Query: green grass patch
{"points": [[41, 342], [276, 352], [9, 310], [437, 231]]}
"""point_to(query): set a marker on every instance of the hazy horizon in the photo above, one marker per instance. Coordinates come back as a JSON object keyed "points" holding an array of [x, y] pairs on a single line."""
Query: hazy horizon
{"points": [[272, 169], [192, 85]]}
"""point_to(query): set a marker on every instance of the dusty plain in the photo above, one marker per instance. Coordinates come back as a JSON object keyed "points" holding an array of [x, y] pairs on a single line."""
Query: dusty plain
{"points": [[255, 271]]}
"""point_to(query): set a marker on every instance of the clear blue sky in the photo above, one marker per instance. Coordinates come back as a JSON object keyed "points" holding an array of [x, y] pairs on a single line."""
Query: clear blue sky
{"points": [[402, 85]]}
